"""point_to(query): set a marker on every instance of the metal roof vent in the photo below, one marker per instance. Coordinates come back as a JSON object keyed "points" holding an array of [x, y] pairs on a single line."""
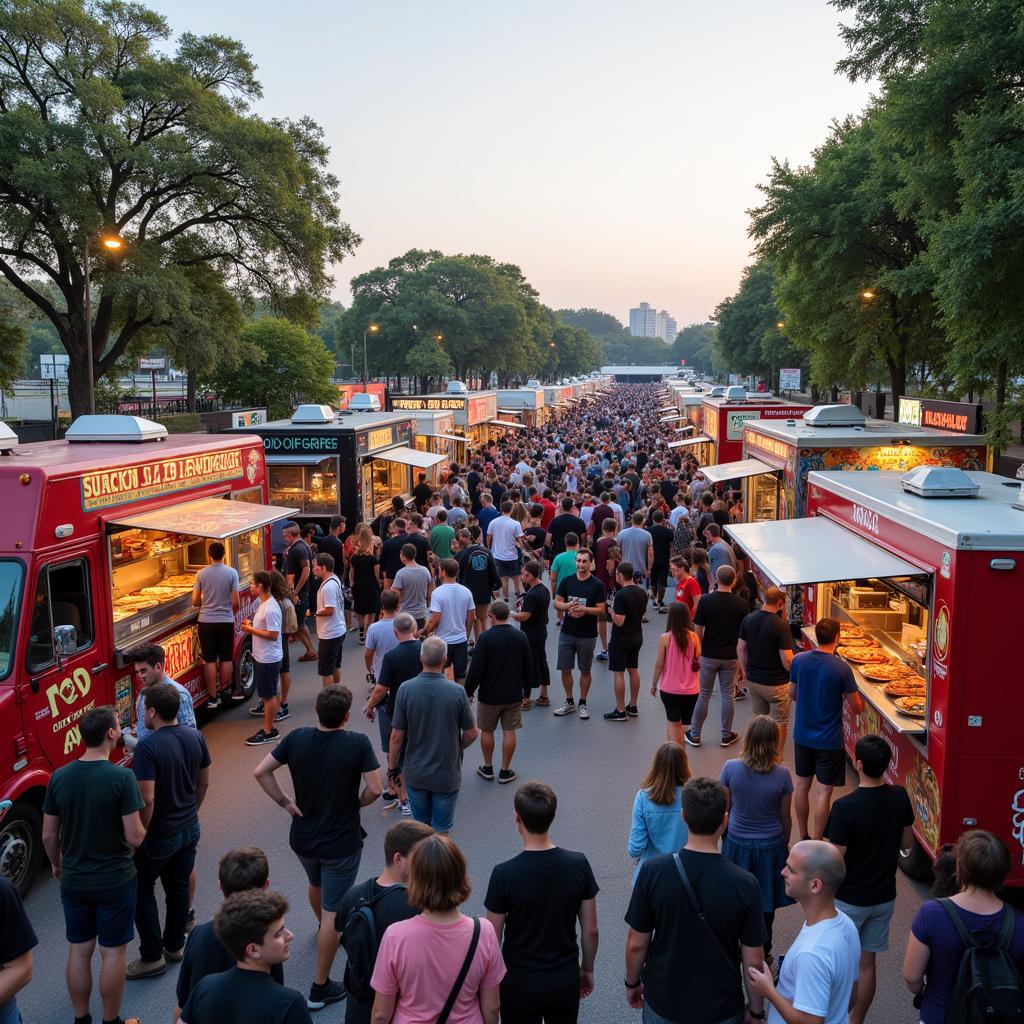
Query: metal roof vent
{"points": [[8, 439], [533, 383], [939, 482], [717, 391], [313, 414], [735, 394], [457, 387], [102, 428], [835, 416]]}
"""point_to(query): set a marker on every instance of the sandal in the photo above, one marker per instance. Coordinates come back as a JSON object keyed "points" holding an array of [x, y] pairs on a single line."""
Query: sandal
{"points": [[527, 704], [542, 702], [307, 657]]}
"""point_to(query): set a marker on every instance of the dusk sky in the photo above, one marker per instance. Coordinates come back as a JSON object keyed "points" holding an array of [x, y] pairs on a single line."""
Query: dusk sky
{"points": [[609, 149]]}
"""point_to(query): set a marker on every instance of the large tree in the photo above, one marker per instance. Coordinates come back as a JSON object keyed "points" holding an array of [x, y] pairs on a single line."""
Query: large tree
{"points": [[103, 130], [696, 344]]}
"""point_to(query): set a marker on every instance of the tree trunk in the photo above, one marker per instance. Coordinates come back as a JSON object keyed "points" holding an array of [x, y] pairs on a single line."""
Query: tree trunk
{"points": [[898, 381], [1002, 373], [191, 385], [78, 388]]}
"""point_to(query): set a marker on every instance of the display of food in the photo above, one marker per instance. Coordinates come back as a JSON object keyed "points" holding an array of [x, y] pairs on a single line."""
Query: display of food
{"points": [[181, 579], [845, 631], [908, 686], [863, 655], [912, 707], [857, 641], [888, 672]]}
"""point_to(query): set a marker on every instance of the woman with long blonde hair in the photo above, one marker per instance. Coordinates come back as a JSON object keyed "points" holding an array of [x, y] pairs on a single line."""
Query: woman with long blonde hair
{"points": [[364, 578], [658, 825], [677, 671], [760, 817]]}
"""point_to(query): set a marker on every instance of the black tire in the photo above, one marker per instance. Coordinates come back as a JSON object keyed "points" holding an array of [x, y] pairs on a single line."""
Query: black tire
{"points": [[916, 863], [21, 846], [245, 676]]}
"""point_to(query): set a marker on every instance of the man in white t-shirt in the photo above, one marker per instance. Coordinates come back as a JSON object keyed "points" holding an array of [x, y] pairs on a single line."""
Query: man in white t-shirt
{"points": [[452, 613], [819, 974], [504, 538], [330, 620]]}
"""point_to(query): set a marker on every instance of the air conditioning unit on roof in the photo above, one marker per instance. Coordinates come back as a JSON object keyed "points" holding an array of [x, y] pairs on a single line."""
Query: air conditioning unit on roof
{"points": [[835, 416], [103, 428], [313, 414]]}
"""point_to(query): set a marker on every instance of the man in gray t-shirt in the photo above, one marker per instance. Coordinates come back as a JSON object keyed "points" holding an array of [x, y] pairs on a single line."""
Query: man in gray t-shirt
{"points": [[719, 553], [215, 594], [637, 545], [413, 583], [434, 722]]}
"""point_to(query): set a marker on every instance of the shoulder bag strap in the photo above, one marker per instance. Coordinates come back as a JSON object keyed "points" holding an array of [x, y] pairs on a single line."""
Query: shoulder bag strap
{"points": [[699, 912], [958, 922], [461, 979]]}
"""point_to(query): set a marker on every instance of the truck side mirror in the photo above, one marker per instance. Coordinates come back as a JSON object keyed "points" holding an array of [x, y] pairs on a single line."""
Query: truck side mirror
{"points": [[65, 641]]}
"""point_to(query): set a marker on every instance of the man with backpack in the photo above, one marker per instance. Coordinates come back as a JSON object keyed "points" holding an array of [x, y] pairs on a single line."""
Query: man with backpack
{"points": [[368, 908]]}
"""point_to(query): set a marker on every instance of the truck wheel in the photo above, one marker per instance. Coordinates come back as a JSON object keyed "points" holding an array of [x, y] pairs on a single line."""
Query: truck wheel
{"points": [[21, 846], [915, 863], [244, 671]]}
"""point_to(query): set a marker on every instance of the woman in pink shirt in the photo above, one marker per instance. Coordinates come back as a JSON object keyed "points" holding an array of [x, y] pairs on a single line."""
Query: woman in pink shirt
{"points": [[420, 959], [677, 669]]}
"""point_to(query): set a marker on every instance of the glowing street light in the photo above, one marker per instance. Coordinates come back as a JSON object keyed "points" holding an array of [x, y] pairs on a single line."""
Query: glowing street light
{"points": [[371, 329], [112, 243], [780, 324], [868, 294]]}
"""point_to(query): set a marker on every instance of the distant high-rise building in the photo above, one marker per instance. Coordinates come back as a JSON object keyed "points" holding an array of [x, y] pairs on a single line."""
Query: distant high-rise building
{"points": [[643, 321], [671, 329]]}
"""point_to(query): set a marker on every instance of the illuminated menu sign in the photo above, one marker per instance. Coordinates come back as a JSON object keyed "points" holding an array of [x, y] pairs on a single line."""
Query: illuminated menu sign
{"points": [[771, 446], [482, 409], [424, 403], [108, 487], [297, 444], [958, 417]]}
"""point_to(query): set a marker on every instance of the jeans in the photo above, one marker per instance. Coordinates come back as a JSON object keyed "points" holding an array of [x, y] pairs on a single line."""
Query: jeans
{"points": [[9, 1012], [724, 670], [170, 860], [434, 809]]}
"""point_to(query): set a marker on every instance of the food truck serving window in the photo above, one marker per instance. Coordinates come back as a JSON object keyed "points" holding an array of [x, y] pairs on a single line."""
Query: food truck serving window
{"points": [[11, 575], [310, 483], [62, 599], [409, 457], [208, 517]]}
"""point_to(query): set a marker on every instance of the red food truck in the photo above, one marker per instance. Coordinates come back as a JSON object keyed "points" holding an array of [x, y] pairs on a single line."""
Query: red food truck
{"points": [[925, 571], [104, 533], [723, 418]]}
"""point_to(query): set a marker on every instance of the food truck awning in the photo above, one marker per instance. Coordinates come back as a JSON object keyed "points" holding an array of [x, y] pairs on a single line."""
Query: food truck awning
{"points": [[791, 552], [448, 437], [510, 412], [736, 470], [507, 423], [298, 460], [685, 441], [215, 518], [408, 457], [674, 418]]}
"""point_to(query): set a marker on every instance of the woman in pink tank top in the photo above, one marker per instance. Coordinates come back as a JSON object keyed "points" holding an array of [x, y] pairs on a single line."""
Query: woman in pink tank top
{"points": [[677, 671]]}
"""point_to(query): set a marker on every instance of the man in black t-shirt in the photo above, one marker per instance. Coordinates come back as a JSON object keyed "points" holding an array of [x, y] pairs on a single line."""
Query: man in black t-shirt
{"points": [[566, 522], [628, 608], [582, 598], [325, 830], [421, 492], [532, 617], [239, 871], [717, 622], [418, 539], [386, 896], [330, 543], [661, 538], [172, 765], [535, 920], [391, 552], [250, 925], [765, 652], [479, 574], [673, 966], [870, 827], [17, 939], [298, 571]]}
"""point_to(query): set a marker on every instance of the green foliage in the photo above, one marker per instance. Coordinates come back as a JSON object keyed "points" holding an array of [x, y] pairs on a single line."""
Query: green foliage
{"points": [[696, 344], [104, 128], [593, 321], [182, 423], [13, 343], [281, 365]]}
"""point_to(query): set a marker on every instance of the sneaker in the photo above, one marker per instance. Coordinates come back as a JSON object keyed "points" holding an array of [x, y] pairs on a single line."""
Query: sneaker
{"points": [[174, 956], [632, 711], [389, 800], [616, 716], [730, 738], [257, 710], [139, 969], [601, 655], [506, 775], [485, 771], [583, 710], [236, 695], [260, 737], [691, 738], [282, 713], [741, 693], [565, 709], [406, 809], [212, 703], [662, 609], [323, 995], [190, 922]]}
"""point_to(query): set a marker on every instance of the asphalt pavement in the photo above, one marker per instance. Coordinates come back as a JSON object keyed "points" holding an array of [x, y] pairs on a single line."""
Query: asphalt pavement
{"points": [[594, 766]]}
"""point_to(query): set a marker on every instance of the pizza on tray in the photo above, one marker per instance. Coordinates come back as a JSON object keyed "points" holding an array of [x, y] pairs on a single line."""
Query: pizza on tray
{"points": [[850, 631], [912, 707], [863, 655], [887, 673], [857, 641], [906, 687]]}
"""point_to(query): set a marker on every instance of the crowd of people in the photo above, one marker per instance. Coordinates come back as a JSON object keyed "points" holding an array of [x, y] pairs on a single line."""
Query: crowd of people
{"points": [[590, 526]]}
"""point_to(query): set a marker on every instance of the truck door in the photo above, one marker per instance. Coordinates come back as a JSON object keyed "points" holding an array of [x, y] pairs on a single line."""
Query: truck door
{"points": [[61, 688]]}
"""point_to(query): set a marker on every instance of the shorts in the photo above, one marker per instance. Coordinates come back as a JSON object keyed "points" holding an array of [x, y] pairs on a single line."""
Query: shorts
{"points": [[521, 1005], [622, 656], [510, 716], [458, 658], [575, 648], [679, 706], [659, 576], [267, 676], [328, 658], [769, 700], [333, 876], [107, 915], [827, 766], [507, 569], [217, 641], [872, 924], [301, 611]]}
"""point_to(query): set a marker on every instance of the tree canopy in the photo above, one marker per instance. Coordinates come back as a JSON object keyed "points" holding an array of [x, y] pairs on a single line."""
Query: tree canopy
{"points": [[697, 344], [103, 131]]}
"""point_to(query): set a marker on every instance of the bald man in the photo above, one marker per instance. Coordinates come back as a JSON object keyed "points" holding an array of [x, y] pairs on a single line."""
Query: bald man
{"points": [[818, 980]]}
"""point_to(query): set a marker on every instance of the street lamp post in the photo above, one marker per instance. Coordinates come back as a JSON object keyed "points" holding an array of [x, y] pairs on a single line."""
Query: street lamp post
{"points": [[113, 244], [371, 329]]}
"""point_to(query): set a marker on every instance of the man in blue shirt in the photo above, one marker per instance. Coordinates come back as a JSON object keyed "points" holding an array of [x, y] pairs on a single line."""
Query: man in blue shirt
{"points": [[823, 681], [148, 661]]}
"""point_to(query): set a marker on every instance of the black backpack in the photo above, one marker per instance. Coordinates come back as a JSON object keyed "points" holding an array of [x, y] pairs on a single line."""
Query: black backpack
{"points": [[988, 986], [361, 939]]}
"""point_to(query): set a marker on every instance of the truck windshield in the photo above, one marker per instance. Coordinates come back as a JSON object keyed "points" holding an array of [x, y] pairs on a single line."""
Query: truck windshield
{"points": [[11, 576]]}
